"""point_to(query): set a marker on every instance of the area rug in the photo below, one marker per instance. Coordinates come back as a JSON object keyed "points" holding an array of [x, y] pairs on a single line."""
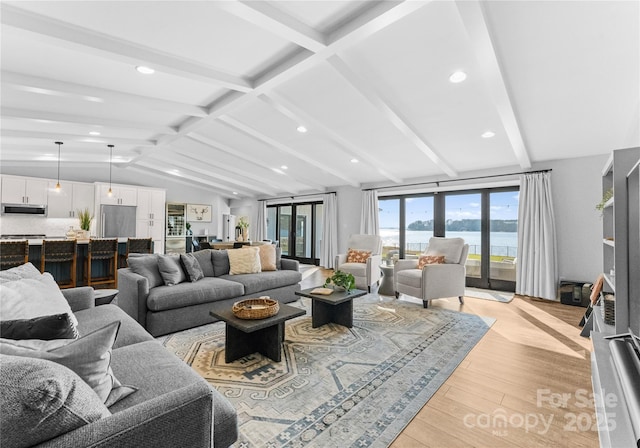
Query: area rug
{"points": [[336, 386], [489, 294]]}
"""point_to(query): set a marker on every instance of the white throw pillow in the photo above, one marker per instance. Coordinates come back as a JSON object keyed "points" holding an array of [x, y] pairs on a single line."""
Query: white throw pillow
{"points": [[244, 261], [33, 297], [27, 270]]}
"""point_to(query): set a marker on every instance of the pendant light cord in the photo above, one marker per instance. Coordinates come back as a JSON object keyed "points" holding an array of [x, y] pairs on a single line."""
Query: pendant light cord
{"points": [[110, 163], [58, 184]]}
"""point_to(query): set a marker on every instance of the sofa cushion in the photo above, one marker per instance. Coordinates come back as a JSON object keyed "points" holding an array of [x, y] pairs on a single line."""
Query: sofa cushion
{"points": [[451, 248], [42, 399], [263, 281], [131, 332], [209, 289], [33, 297], [220, 262], [267, 254], [57, 326], [244, 261], [191, 267], [204, 257], [171, 269], [27, 270], [146, 266], [89, 357]]}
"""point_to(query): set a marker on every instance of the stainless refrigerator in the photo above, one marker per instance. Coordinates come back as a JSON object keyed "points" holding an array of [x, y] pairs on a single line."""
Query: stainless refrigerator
{"points": [[118, 221]]}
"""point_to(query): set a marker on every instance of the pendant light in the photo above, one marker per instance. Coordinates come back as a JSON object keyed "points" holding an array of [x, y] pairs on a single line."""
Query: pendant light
{"points": [[58, 183], [110, 192]]}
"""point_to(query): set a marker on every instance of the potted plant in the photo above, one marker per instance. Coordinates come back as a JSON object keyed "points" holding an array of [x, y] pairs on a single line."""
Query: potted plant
{"points": [[342, 280], [605, 198], [85, 217], [243, 223]]}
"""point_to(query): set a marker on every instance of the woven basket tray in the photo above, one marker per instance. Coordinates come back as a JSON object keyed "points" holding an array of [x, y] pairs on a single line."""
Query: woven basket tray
{"points": [[260, 308]]}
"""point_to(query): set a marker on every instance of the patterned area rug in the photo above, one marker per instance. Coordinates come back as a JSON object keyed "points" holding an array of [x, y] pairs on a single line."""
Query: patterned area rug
{"points": [[335, 386], [489, 294]]}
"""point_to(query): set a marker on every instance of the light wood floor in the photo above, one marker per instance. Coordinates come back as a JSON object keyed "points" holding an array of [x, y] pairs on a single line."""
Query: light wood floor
{"points": [[531, 370]]}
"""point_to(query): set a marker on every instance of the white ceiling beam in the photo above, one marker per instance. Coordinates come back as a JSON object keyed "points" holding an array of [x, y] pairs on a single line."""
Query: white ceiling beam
{"points": [[248, 160], [474, 20], [161, 173], [391, 113], [41, 116], [52, 136], [77, 37], [252, 132], [299, 116], [35, 84], [211, 171], [275, 21], [186, 174]]}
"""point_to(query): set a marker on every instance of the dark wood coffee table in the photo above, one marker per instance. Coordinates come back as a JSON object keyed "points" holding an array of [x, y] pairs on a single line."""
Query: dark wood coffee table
{"points": [[245, 336], [336, 307]]}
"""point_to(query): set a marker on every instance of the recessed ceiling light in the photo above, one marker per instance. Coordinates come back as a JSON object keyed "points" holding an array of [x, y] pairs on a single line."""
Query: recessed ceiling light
{"points": [[488, 134], [284, 167], [457, 77], [301, 129], [354, 160], [277, 170], [145, 70], [94, 133], [235, 192]]}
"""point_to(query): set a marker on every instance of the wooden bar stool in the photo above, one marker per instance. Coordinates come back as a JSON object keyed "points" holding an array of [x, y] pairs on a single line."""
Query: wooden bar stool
{"points": [[137, 246], [13, 253], [58, 252], [106, 252]]}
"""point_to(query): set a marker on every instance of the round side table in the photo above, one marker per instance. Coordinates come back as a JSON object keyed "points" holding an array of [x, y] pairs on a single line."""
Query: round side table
{"points": [[386, 284], [104, 296]]}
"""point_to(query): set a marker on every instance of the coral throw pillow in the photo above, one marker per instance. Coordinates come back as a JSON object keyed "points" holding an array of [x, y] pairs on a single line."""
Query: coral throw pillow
{"points": [[267, 257], [429, 259], [358, 256]]}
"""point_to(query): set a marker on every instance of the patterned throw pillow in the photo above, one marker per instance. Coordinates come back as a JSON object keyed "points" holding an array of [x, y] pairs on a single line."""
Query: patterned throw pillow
{"points": [[429, 259], [244, 261], [358, 256]]}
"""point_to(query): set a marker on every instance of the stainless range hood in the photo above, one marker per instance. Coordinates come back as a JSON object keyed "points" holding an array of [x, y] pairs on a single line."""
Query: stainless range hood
{"points": [[24, 209]]}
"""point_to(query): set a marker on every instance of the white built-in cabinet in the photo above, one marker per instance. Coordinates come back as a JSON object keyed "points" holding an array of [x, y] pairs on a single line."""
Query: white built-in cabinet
{"points": [[24, 190], [120, 194], [150, 216], [73, 196]]}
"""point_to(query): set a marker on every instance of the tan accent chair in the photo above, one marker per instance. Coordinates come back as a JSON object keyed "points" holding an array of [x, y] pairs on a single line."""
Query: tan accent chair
{"points": [[366, 274], [434, 281]]}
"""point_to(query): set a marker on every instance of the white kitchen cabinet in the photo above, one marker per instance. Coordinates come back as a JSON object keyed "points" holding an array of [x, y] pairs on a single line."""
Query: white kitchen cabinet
{"points": [[73, 196], [150, 213], [120, 195], [20, 190]]}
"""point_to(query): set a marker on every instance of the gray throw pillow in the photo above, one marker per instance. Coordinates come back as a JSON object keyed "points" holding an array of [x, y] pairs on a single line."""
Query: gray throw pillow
{"points": [[192, 266], [57, 326], [89, 357], [206, 263], [221, 264], [41, 400], [147, 266], [171, 269], [278, 258]]}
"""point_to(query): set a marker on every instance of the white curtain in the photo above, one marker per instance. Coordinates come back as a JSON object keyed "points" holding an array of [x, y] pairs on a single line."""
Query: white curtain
{"points": [[537, 266], [369, 217], [261, 226], [329, 244]]}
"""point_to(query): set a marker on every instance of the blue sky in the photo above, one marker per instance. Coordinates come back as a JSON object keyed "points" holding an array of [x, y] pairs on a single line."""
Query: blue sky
{"points": [[504, 205]]}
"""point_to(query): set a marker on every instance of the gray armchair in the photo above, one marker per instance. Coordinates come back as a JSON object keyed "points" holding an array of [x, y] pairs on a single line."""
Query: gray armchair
{"points": [[366, 274], [434, 281]]}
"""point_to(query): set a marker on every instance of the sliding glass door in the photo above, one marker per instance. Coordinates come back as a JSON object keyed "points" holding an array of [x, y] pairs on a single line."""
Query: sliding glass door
{"points": [[486, 219], [298, 228]]}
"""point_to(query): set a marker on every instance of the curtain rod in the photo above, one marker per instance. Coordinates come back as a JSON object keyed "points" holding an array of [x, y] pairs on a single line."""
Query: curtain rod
{"points": [[298, 196], [438, 182]]}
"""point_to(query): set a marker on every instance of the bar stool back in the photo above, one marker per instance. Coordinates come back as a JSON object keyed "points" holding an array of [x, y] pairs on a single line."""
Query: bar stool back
{"points": [[13, 253], [59, 252], [105, 251], [136, 246]]}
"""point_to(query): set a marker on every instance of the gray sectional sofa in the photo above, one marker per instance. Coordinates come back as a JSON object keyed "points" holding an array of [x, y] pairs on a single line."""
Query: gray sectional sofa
{"points": [[172, 406], [163, 309]]}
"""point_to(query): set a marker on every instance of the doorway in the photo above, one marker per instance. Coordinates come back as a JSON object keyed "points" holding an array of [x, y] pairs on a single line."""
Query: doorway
{"points": [[298, 228]]}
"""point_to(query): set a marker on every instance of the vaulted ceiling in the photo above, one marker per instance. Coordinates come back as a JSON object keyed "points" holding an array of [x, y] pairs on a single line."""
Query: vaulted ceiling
{"points": [[369, 80]]}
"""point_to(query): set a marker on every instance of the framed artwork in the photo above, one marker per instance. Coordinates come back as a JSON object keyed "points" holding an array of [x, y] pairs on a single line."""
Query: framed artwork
{"points": [[198, 213]]}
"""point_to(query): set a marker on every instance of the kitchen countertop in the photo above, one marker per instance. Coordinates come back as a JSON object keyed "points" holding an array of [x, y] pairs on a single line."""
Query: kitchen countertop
{"points": [[38, 242]]}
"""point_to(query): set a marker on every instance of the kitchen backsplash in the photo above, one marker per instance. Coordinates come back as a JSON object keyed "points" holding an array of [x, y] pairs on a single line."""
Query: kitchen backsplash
{"points": [[29, 225]]}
